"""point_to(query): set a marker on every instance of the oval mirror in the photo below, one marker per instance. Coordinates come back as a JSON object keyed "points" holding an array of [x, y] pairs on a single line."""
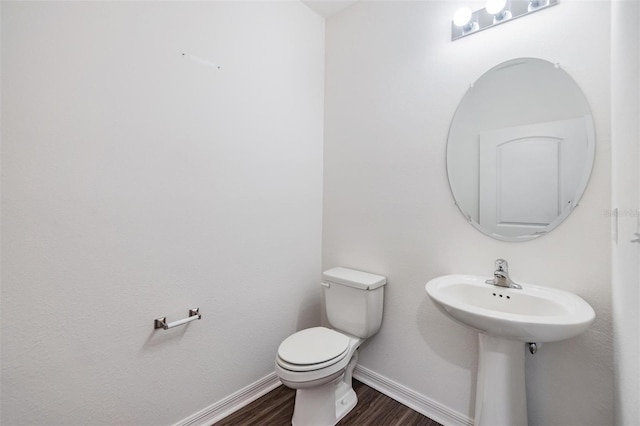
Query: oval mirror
{"points": [[520, 149]]}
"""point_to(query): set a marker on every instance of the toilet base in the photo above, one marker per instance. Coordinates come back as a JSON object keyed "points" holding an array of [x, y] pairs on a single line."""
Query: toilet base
{"points": [[345, 402], [324, 405], [327, 404]]}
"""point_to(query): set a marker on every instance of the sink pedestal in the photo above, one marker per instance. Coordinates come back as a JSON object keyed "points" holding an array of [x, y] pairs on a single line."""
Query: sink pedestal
{"points": [[501, 398]]}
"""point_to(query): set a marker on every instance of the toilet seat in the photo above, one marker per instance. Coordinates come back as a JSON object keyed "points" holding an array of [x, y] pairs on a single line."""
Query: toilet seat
{"points": [[312, 349]]}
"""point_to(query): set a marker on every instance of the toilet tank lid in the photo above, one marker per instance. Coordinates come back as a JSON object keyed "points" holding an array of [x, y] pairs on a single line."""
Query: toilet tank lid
{"points": [[353, 278]]}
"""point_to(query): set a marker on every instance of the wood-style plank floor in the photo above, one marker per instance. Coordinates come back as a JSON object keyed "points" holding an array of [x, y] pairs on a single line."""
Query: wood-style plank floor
{"points": [[373, 409]]}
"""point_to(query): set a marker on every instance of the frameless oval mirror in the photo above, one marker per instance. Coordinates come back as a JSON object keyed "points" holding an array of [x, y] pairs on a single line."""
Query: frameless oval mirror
{"points": [[520, 149]]}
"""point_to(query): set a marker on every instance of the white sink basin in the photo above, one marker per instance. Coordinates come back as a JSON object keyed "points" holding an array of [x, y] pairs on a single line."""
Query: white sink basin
{"points": [[530, 314], [506, 317]]}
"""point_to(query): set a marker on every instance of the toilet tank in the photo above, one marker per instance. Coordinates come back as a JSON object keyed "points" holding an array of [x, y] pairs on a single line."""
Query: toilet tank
{"points": [[353, 300]]}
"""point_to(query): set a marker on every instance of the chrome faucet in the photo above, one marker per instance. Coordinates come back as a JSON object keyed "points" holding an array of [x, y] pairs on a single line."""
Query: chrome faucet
{"points": [[501, 276]]}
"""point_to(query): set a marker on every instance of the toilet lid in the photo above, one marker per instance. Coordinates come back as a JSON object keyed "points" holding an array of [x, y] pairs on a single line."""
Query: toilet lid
{"points": [[313, 346]]}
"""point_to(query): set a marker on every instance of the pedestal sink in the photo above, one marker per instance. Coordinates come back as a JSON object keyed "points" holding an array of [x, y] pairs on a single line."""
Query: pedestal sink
{"points": [[505, 318]]}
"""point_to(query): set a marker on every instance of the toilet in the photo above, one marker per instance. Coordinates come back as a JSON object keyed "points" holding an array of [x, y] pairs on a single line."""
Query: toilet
{"points": [[318, 362]]}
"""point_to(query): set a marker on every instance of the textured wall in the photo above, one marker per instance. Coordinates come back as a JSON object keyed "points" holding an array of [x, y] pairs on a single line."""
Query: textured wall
{"points": [[393, 82], [625, 110], [137, 183]]}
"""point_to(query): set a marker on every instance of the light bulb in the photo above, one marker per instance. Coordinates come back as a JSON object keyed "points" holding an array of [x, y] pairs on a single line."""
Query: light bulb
{"points": [[495, 7], [462, 17]]}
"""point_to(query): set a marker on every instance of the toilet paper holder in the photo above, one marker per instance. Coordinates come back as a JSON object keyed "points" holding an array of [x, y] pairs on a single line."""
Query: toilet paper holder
{"points": [[194, 314]]}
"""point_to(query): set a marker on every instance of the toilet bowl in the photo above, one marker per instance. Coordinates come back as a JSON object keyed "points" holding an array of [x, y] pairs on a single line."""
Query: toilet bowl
{"points": [[318, 362]]}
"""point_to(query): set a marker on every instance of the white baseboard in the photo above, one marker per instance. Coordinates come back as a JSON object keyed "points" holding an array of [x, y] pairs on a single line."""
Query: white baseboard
{"points": [[396, 391], [232, 403], [411, 398]]}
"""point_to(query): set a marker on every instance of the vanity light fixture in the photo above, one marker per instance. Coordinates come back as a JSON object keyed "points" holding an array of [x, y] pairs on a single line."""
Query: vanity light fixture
{"points": [[535, 4], [495, 12]]}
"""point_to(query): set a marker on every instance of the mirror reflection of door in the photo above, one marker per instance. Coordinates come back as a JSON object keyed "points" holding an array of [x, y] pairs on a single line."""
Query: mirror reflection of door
{"points": [[532, 125], [527, 175]]}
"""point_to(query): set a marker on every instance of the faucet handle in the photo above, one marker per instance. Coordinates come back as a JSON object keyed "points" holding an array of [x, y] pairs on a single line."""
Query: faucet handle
{"points": [[502, 265]]}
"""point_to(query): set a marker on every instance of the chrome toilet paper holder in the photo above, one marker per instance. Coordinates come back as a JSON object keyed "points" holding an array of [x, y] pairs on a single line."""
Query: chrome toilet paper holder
{"points": [[194, 314]]}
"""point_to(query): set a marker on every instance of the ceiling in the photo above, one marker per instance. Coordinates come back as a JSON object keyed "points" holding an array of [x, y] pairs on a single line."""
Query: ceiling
{"points": [[327, 8]]}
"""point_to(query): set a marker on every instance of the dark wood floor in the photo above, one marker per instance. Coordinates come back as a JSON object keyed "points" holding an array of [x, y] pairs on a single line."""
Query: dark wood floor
{"points": [[373, 409]]}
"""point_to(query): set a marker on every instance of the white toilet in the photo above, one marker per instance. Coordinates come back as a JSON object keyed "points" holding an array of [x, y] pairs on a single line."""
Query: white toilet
{"points": [[318, 362]]}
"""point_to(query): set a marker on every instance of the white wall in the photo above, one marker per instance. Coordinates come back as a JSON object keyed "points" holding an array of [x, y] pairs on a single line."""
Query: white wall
{"points": [[625, 110], [138, 183], [393, 81]]}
